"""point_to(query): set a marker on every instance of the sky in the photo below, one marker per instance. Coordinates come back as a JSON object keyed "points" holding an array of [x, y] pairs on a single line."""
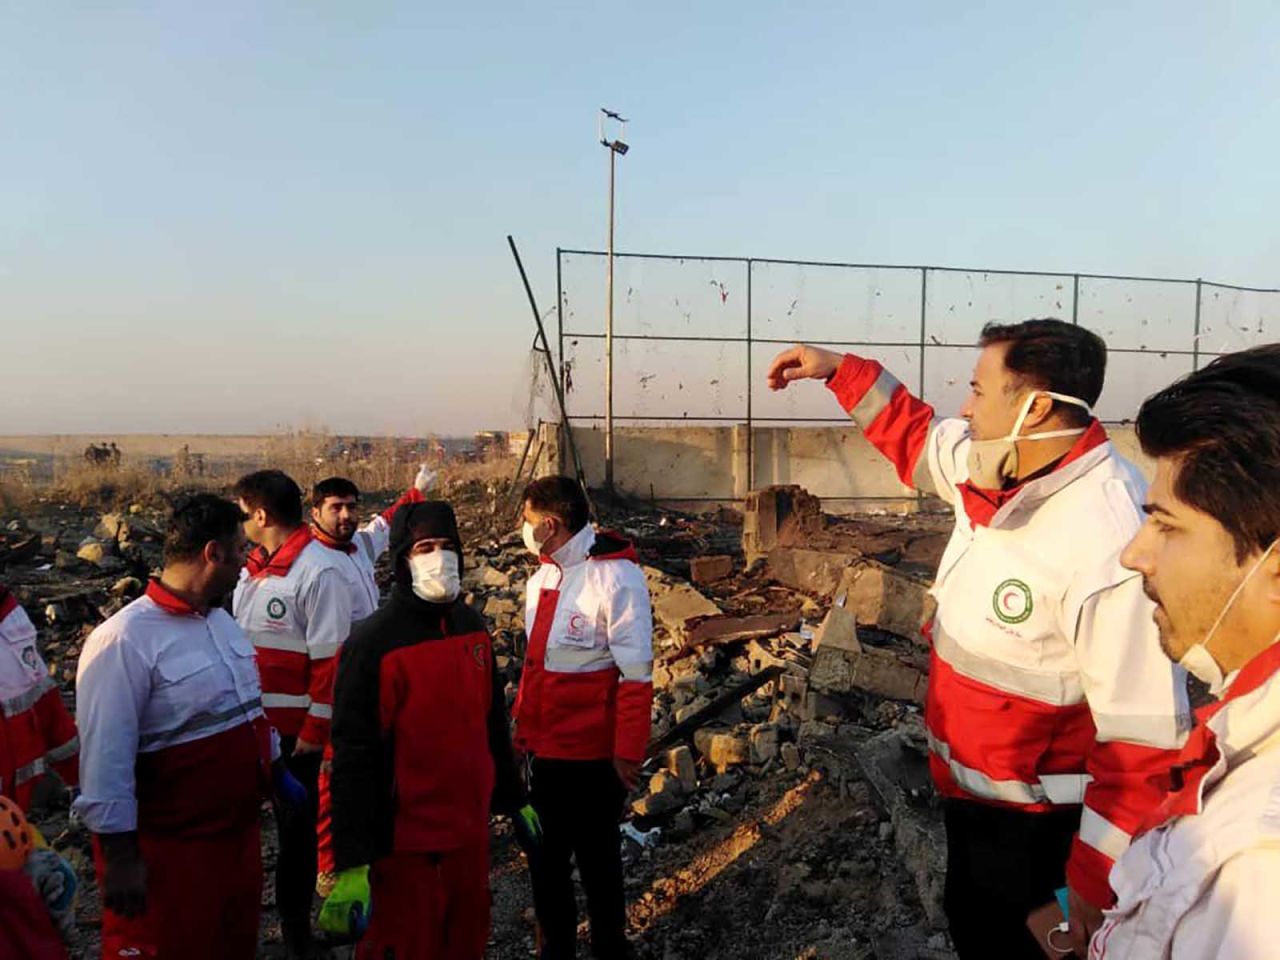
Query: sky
{"points": [[243, 216]]}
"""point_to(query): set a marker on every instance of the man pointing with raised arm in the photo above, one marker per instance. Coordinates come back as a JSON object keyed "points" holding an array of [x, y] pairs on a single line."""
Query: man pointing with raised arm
{"points": [[1052, 714]]}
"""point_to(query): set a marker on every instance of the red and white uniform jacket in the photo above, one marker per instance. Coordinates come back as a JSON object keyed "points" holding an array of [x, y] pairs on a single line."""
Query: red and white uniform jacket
{"points": [[170, 712], [359, 556], [295, 605], [1201, 880], [1047, 684], [587, 687], [37, 733]]}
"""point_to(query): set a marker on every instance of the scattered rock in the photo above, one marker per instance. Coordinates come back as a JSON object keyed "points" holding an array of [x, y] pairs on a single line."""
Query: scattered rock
{"points": [[92, 551], [790, 754], [680, 763], [764, 743], [710, 569]]}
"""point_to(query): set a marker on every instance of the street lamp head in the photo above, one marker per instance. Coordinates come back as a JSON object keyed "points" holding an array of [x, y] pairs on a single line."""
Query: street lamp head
{"points": [[619, 148]]}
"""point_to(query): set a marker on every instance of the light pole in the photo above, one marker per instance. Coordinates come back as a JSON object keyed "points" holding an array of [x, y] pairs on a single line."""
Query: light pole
{"points": [[616, 149]]}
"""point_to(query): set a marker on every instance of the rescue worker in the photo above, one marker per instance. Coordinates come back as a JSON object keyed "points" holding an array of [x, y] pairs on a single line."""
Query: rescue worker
{"points": [[1200, 879], [335, 506], [37, 734], [582, 711], [294, 603], [421, 748], [1052, 716], [177, 754], [334, 510]]}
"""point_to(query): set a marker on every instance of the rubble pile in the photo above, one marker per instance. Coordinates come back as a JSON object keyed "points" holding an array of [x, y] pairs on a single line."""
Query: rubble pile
{"points": [[785, 803]]}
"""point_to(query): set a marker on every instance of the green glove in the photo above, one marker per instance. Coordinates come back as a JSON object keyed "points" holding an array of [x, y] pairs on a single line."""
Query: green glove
{"points": [[528, 828], [346, 909]]}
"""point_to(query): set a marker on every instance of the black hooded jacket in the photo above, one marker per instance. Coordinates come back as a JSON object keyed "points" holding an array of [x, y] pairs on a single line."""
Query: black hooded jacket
{"points": [[422, 748]]}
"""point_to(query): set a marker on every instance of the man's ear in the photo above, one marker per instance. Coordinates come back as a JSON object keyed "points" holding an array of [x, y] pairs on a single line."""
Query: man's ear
{"points": [[213, 553], [1040, 411]]}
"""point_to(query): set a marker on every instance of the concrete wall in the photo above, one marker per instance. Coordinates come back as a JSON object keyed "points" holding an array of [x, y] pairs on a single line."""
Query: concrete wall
{"points": [[672, 463]]}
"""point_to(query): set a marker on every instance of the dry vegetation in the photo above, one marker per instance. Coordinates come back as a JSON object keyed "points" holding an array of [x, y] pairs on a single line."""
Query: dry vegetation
{"points": [[380, 466]]}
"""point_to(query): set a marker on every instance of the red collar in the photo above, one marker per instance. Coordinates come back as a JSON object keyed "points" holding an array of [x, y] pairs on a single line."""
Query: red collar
{"points": [[332, 542], [168, 601], [981, 505], [8, 602], [263, 564], [1201, 753]]}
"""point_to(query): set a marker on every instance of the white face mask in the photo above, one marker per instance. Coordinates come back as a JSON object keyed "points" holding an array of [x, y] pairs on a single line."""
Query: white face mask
{"points": [[992, 462], [435, 576], [531, 542], [1198, 661]]}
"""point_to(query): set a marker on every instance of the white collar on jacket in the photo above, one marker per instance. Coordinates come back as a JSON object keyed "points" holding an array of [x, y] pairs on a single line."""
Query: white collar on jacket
{"points": [[577, 550]]}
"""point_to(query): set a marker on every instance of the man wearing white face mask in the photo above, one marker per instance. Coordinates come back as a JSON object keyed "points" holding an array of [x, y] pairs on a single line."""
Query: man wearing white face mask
{"points": [[1201, 879], [582, 713], [1052, 715], [421, 751]]}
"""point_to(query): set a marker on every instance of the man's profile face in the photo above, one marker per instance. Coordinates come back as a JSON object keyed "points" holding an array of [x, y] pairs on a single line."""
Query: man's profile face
{"points": [[337, 516], [1188, 564], [230, 557], [994, 399], [254, 521]]}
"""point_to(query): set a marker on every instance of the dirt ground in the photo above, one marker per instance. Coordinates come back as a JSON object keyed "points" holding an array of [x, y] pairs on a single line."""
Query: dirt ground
{"points": [[762, 860]]}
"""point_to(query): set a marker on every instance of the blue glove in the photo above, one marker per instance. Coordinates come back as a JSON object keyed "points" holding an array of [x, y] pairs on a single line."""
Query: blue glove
{"points": [[290, 792]]}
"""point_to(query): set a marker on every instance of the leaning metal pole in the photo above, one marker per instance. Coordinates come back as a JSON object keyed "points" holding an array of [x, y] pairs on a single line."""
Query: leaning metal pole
{"points": [[551, 368]]}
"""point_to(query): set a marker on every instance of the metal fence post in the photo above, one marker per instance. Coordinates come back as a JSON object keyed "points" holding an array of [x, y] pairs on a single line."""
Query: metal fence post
{"points": [[1075, 299], [751, 448], [924, 313], [559, 318], [1195, 339]]}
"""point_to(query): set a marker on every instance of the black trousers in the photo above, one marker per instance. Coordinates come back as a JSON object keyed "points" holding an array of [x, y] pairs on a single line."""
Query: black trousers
{"points": [[296, 862], [1001, 865], [579, 803]]}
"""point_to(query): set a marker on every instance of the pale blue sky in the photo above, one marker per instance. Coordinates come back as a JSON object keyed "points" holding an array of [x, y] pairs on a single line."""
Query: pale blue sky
{"points": [[234, 216]]}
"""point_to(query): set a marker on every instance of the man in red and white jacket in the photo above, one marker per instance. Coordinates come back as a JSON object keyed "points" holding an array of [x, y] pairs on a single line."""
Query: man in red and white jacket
{"points": [[582, 711], [335, 504], [294, 603], [1200, 879], [178, 754], [1052, 714], [37, 734]]}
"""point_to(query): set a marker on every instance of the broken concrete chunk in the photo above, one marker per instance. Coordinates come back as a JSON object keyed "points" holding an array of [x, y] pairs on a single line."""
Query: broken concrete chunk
{"points": [[492, 577], [728, 750], [812, 571], [872, 670], [92, 550], [764, 743], [680, 763], [790, 754], [715, 631], [108, 527], [884, 598], [658, 804], [710, 569], [839, 630], [674, 603], [777, 516]]}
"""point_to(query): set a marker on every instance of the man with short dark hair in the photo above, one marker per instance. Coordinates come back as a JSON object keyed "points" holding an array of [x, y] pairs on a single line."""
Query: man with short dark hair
{"points": [[1201, 878], [335, 504], [582, 711], [1052, 715], [178, 754], [294, 603]]}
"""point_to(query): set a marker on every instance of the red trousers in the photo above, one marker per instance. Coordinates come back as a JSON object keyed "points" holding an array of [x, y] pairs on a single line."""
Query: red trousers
{"points": [[203, 900], [429, 906], [324, 819], [25, 928]]}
